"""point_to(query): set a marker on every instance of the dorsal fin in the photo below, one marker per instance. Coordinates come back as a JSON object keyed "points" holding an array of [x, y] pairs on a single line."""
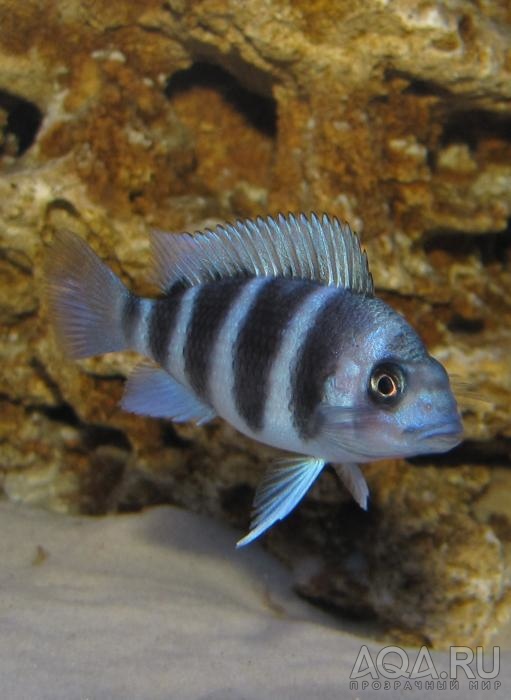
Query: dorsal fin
{"points": [[301, 247]]}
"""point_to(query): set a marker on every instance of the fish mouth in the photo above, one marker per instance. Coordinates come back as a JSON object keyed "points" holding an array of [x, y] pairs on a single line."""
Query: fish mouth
{"points": [[451, 433]]}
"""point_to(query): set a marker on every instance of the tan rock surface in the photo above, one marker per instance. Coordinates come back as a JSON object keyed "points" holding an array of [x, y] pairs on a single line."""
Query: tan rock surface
{"points": [[117, 117]]}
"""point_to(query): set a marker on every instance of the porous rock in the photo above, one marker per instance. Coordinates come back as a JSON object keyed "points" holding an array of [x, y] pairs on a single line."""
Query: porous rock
{"points": [[116, 117]]}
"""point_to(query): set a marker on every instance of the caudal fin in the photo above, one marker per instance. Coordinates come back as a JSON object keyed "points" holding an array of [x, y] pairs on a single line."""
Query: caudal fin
{"points": [[87, 300]]}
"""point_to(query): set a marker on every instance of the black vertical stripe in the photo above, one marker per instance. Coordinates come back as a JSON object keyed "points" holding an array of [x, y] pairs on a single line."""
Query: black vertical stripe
{"points": [[210, 308], [259, 341], [162, 321], [130, 318], [318, 356]]}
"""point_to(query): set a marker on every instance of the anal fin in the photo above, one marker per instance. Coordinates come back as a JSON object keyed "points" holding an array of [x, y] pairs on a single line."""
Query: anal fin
{"points": [[281, 489], [151, 391]]}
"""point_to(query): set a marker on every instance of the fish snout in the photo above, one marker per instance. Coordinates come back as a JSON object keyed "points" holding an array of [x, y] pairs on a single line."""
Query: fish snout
{"points": [[436, 427], [443, 435]]}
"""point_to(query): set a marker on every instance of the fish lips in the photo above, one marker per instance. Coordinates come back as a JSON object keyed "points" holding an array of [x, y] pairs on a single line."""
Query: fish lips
{"points": [[443, 436]]}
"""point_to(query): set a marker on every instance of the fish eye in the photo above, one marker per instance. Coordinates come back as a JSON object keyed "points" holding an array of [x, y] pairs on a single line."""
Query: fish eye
{"points": [[387, 383]]}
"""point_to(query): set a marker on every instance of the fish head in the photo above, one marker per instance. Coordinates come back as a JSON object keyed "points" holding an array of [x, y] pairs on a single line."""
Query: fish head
{"points": [[416, 412], [390, 398]]}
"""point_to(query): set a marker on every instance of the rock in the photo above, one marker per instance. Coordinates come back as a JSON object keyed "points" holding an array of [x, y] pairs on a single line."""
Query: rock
{"points": [[431, 571], [119, 117]]}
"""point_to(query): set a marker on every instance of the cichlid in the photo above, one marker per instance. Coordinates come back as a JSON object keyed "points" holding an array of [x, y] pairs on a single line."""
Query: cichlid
{"points": [[273, 325]]}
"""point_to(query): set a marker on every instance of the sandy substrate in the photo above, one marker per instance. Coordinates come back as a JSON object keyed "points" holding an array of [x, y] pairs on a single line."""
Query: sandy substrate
{"points": [[161, 605]]}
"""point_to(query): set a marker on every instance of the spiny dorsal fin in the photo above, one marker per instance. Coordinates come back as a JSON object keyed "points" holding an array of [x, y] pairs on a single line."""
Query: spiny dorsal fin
{"points": [[301, 247]]}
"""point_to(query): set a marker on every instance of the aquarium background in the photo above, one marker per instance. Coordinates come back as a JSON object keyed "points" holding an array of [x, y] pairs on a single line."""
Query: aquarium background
{"points": [[119, 117]]}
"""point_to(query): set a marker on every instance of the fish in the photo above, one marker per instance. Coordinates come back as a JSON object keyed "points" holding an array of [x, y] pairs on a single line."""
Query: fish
{"points": [[273, 325]]}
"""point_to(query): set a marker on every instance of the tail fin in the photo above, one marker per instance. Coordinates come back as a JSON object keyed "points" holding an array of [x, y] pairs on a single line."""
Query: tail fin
{"points": [[87, 300]]}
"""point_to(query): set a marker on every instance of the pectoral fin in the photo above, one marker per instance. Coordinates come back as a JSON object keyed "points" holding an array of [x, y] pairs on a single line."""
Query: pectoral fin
{"points": [[281, 489], [354, 480]]}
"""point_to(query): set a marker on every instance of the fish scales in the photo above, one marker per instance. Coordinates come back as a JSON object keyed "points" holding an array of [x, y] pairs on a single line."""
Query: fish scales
{"points": [[258, 343], [279, 421], [316, 359], [273, 325], [137, 328], [222, 368], [174, 361], [131, 315], [207, 316], [162, 323]]}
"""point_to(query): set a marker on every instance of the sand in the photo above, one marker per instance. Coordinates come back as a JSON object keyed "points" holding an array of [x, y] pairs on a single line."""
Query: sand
{"points": [[161, 605]]}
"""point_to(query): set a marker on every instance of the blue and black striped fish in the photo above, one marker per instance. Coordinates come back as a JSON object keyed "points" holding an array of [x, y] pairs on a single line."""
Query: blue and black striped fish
{"points": [[273, 325]]}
